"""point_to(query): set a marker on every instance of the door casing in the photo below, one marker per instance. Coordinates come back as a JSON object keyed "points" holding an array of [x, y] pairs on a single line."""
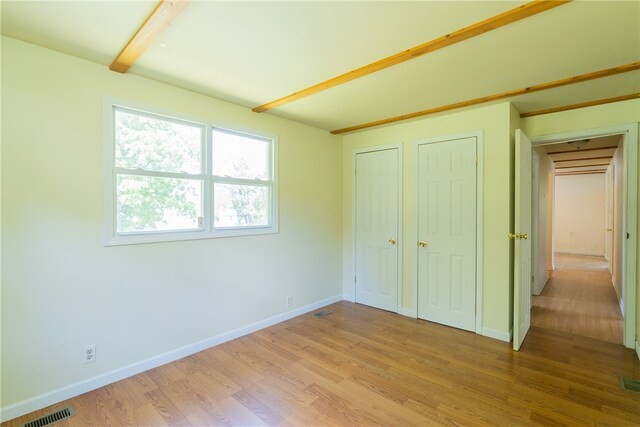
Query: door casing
{"points": [[630, 216]]}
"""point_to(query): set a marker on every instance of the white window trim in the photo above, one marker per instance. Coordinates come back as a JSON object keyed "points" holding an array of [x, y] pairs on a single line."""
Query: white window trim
{"points": [[207, 231]]}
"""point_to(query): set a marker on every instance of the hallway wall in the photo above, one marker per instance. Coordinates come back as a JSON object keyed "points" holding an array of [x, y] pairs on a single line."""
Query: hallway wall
{"points": [[580, 214], [543, 236]]}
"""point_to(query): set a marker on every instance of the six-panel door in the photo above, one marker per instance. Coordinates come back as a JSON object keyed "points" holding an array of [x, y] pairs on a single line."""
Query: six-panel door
{"points": [[447, 232], [377, 240]]}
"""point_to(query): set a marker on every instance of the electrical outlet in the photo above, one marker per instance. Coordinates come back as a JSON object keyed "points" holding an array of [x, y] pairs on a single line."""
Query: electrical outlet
{"points": [[289, 301], [89, 354]]}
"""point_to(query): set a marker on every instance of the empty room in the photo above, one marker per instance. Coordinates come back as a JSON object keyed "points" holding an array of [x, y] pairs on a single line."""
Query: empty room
{"points": [[319, 213]]}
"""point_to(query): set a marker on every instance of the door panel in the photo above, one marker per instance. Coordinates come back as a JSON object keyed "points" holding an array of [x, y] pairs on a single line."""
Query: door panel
{"points": [[377, 207], [447, 225], [522, 245]]}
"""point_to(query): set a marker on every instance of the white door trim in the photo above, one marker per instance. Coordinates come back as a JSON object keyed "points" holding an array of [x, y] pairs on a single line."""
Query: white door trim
{"points": [[354, 153], [479, 136], [630, 216]]}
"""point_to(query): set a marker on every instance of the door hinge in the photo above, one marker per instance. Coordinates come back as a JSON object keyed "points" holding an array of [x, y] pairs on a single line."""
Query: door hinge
{"points": [[354, 279], [627, 235]]}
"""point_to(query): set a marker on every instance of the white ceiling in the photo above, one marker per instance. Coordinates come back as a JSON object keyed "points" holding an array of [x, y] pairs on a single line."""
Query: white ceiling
{"points": [[251, 53]]}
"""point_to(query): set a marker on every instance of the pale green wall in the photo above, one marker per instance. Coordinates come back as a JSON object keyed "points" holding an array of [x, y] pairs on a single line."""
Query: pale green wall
{"points": [[62, 289], [139, 301], [601, 116], [494, 123]]}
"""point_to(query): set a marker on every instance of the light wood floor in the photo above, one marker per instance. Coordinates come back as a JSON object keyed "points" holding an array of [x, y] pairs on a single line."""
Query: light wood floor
{"points": [[579, 298], [362, 366]]}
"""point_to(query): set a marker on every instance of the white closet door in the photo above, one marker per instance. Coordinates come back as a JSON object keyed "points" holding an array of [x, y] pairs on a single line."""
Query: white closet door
{"points": [[377, 207], [447, 232]]}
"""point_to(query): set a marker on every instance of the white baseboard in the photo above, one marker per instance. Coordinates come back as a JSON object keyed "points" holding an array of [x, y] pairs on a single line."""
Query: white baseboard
{"points": [[498, 335], [46, 399], [546, 279], [638, 350], [348, 297], [620, 300], [408, 312], [543, 283]]}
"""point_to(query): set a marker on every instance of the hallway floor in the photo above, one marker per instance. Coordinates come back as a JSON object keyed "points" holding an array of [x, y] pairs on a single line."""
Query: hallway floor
{"points": [[579, 299]]}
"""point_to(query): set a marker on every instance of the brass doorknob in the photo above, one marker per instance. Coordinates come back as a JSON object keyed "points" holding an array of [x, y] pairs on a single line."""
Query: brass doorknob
{"points": [[518, 236], [392, 241], [422, 244]]}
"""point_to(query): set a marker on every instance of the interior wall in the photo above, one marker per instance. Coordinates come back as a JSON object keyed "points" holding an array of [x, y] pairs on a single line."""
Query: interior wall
{"points": [[617, 165], [494, 123], [551, 202], [600, 116], [63, 290], [580, 214], [543, 243]]}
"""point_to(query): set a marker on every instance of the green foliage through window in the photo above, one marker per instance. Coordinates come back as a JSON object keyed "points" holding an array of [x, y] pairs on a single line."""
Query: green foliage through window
{"points": [[162, 183]]}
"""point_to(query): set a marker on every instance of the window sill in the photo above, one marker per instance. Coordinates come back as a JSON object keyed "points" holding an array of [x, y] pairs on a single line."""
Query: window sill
{"points": [[175, 236]]}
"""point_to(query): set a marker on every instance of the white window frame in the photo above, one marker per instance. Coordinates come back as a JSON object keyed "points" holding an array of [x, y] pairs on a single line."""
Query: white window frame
{"points": [[207, 231]]}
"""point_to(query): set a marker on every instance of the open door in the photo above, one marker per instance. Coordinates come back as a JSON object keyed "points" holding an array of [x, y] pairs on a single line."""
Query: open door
{"points": [[522, 243]]}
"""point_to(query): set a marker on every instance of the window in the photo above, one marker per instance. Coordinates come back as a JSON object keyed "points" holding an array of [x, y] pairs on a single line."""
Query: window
{"points": [[173, 179], [241, 180]]}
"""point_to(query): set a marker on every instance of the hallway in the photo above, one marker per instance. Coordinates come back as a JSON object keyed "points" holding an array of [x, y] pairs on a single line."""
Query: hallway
{"points": [[579, 299]]}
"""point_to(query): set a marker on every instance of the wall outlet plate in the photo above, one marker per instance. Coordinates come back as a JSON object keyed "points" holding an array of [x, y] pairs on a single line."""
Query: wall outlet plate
{"points": [[89, 354]]}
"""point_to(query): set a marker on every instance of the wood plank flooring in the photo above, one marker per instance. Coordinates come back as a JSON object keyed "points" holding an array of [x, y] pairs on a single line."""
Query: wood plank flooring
{"points": [[579, 299], [363, 366]]}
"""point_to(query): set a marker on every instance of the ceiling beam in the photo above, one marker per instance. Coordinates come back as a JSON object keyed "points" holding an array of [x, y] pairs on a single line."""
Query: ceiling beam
{"points": [[505, 18], [523, 91], [609, 147], [583, 166], [161, 17], [582, 105], [580, 173], [582, 158]]}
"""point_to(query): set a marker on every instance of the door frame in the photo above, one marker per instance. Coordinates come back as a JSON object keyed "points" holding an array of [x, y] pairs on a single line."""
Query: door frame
{"points": [[399, 238], [629, 134], [479, 136], [610, 201], [535, 221]]}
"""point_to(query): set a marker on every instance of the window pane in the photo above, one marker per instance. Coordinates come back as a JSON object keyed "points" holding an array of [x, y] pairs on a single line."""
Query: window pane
{"points": [[240, 156], [156, 144], [241, 205], [147, 203]]}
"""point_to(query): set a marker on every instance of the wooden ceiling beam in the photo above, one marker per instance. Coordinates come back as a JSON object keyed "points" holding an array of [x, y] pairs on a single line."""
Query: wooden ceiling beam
{"points": [[590, 165], [509, 94], [594, 172], [161, 17], [582, 158], [505, 18], [581, 105], [609, 147]]}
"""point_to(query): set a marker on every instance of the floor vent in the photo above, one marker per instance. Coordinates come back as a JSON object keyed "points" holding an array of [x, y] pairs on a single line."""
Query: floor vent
{"points": [[322, 313], [52, 418], [629, 384]]}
